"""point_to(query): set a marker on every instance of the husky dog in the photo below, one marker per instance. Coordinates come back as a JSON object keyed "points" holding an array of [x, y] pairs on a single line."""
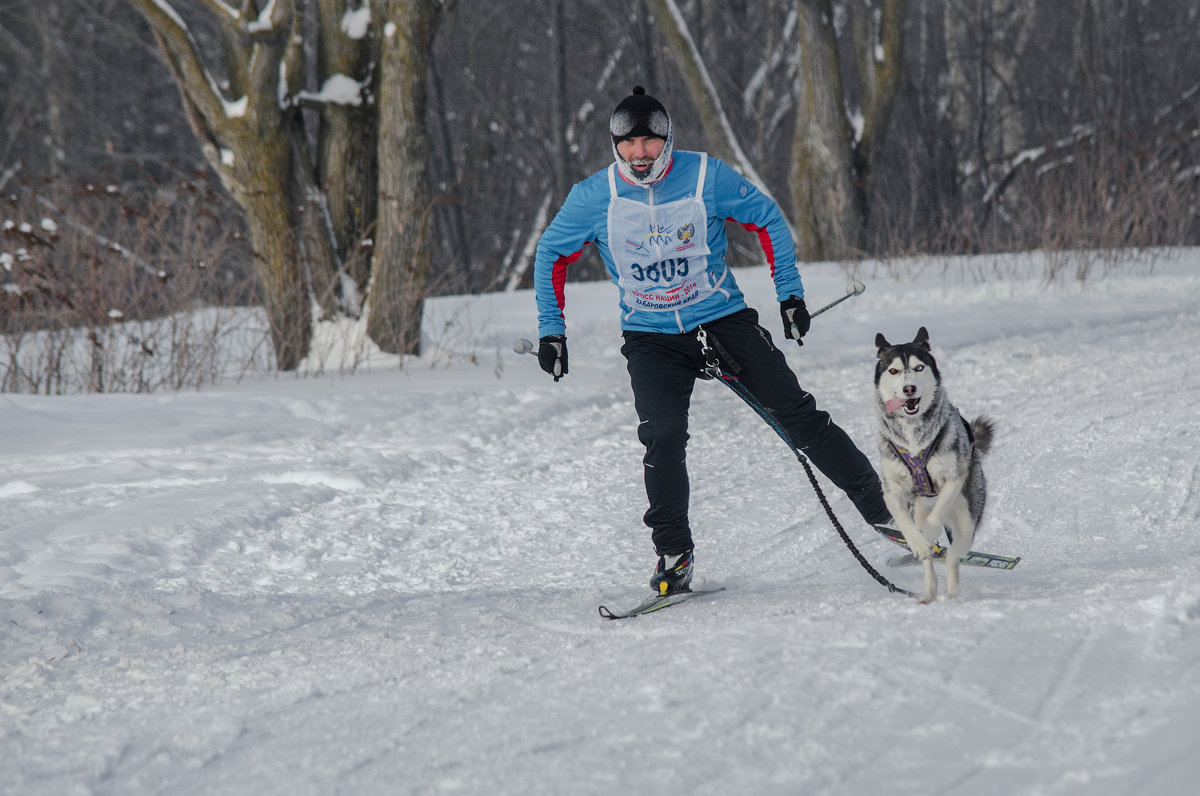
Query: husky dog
{"points": [[930, 457]]}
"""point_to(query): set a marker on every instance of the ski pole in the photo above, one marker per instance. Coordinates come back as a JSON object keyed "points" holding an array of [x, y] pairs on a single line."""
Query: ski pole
{"points": [[525, 346], [855, 288]]}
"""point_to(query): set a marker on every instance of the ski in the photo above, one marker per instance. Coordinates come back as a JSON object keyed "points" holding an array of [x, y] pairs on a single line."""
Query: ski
{"points": [[972, 558], [657, 602]]}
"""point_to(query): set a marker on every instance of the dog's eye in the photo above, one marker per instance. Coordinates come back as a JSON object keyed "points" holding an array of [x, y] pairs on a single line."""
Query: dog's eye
{"points": [[919, 368], [893, 371]]}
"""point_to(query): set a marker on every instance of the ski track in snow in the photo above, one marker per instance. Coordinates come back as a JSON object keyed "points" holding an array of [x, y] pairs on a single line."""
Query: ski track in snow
{"points": [[388, 582]]}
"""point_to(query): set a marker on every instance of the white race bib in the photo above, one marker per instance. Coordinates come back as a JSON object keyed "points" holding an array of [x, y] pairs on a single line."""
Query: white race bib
{"points": [[660, 251]]}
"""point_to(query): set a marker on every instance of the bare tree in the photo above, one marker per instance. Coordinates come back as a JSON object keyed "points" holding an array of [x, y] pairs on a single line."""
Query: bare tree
{"points": [[986, 43], [1018, 124], [310, 213], [722, 140], [245, 138], [821, 175], [1060, 138], [347, 172], [836, 142], [834, 145], [402, 255]]}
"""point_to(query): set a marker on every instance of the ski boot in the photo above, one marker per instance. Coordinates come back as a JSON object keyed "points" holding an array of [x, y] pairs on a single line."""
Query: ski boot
{"points": [[673, 573]]}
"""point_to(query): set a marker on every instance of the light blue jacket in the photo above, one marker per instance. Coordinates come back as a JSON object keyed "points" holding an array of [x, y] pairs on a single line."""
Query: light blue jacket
{"points": [[583, 219]]}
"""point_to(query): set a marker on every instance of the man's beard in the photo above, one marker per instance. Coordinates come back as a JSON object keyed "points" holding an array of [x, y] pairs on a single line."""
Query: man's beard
{"points": [[645, 171]]}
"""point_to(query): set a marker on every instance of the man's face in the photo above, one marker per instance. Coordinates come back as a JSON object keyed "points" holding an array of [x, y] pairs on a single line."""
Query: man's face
{"points": [[640, 152]]}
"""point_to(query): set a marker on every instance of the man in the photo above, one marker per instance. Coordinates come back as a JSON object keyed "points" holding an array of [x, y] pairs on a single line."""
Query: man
{"points": [[657, 218]]}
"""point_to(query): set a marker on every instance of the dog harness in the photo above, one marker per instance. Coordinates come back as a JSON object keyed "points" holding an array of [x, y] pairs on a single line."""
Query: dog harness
{"points": [[917, 463]]}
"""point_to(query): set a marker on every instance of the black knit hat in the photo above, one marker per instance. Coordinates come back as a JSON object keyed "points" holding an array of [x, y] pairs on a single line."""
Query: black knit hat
{"points": [[639, 114]]}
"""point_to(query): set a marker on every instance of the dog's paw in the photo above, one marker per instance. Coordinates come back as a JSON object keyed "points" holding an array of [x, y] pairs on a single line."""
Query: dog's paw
{"points": [[930, 591], [919, 545]]}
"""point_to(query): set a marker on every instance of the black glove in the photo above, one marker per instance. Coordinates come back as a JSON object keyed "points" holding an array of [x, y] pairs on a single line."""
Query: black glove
{"points": [[552, 355], [796, 320]]}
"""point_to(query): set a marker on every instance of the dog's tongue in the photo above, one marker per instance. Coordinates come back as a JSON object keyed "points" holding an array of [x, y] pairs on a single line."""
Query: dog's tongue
{"points": [[893, 404]]}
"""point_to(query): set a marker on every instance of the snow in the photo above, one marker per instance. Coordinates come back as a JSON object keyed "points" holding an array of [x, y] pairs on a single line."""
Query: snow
{"points": [[234, 109], [387, 582], [337, 89], [263, 23], [356, 23]]}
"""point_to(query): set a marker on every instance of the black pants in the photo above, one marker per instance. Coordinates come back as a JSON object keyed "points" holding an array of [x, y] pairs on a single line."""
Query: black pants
{"points": [[663, 369]]}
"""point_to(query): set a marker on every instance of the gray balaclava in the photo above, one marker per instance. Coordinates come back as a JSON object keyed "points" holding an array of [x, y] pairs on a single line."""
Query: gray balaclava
{"points": [[639, 114]]}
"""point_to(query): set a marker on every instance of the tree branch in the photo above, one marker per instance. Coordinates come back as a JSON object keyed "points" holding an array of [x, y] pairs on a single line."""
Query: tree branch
{"points": [[183, 57], [722, 140]]}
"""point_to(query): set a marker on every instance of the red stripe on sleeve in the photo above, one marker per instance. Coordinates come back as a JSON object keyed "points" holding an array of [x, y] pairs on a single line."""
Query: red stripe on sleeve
{"points": [[558, 277], [764, 240]]}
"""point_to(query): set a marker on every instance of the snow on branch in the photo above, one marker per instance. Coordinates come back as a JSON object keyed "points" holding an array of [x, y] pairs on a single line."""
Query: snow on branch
{"points": [[704, 91], [337, 89], [223, 9], [356, 23], [1045, 158], [264, 23], [183, 56]]}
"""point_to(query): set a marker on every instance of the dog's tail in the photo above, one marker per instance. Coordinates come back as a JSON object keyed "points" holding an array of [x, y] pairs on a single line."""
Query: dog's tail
{"points": [[983, 428]]}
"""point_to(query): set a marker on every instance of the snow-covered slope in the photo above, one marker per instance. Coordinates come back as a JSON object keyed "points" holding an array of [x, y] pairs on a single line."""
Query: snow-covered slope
{"points": [[388, 582]]}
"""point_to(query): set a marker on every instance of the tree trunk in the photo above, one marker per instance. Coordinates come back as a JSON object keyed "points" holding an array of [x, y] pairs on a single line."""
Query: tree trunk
{"points": [[560, 116], [49, 22], [880, 54], [457, 239], [313, 227], [346, 164], [402, 250], [246, 141], [266, 162], [985, 44], [824, 201]]}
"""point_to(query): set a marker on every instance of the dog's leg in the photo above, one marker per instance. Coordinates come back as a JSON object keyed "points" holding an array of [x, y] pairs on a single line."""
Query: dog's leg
{"points": [[947, 507], [921, 510], [930, 582], [963, 531], [902, 512], [943, 507], [908, 514], [953, 561]]}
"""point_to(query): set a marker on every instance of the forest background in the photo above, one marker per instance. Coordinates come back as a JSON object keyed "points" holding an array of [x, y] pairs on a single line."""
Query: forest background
{"points": [[166, 164]]}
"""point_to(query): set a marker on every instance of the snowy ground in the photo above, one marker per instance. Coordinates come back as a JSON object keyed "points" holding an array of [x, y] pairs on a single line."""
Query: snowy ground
{"points": [[388, 582]]}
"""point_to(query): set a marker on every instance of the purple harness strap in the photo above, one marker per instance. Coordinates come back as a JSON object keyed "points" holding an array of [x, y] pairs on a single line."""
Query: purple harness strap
{"points": [[922, 484], [916, 463]]}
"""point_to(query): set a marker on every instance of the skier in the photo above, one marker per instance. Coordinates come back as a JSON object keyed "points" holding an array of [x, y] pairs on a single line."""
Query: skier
{"points": [[657, 218]]}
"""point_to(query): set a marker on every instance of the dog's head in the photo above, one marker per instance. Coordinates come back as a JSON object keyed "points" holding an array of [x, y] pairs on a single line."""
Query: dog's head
{"points": [[906, 375]]}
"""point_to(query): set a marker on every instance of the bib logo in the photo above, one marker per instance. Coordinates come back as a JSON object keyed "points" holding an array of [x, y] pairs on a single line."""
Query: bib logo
{"points": [[686, 232], [657, 235]]}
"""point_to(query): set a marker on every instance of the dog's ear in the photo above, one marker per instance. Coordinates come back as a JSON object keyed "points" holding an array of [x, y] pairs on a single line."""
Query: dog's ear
{"points": [[922, 338], [881, 344]]}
